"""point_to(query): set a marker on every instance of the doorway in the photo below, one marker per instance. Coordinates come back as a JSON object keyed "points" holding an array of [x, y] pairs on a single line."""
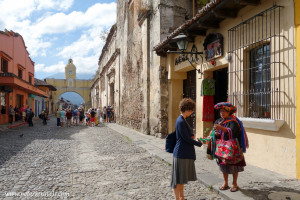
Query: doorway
{"points": [[19, 100], [221, 88], [189, 91], [112, 94]]}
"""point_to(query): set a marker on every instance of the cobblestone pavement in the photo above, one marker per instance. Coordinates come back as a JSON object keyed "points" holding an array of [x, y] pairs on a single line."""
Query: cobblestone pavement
{"points": [[51, 162]]}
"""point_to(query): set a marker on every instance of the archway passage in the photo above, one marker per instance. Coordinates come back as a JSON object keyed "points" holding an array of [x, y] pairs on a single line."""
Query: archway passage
{"points": [[81, 87], [71, 84], [73, 97]]}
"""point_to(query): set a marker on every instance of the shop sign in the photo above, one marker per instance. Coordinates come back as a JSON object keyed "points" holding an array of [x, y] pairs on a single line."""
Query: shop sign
{"points": [[213, 46], [185, 57], [31, 95]]}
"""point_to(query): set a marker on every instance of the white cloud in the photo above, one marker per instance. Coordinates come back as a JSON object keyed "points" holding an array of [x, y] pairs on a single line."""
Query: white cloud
{"points": [[88, 43], [86, 64], [59, 67], [54, 4], [40, 35]]}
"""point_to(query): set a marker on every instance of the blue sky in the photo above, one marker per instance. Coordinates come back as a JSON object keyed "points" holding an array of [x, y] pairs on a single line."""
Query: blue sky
{"points": [[55, 30]]}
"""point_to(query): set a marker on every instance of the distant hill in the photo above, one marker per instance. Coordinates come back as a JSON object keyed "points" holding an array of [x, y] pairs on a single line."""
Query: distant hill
{"points": [[73, 97], [61, 75]]}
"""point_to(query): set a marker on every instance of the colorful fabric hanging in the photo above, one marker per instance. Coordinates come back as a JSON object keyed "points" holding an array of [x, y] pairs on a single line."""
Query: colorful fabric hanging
{"points": [[208, 108], [208, 87]]}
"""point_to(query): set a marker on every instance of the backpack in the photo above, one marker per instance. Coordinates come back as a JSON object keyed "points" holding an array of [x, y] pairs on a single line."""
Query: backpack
{"points": [[171, 142]]}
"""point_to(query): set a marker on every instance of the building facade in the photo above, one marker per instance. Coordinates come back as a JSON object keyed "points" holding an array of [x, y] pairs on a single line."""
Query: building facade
{"points": [[16, 75], [42, 103], [249, 59], [131, 76]]}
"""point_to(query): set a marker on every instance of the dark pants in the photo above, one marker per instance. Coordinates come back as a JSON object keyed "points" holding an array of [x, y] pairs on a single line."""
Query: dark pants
{"points": [[58, 121], [30, 121], [44, 120], [11, 118]]}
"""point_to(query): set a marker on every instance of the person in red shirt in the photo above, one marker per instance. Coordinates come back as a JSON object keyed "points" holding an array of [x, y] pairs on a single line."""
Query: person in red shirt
{"points": [[69, 115]]}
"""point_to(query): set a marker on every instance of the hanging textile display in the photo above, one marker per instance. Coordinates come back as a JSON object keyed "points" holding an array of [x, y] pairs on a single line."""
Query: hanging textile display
{"points": [[208, 108], [208, 87]]}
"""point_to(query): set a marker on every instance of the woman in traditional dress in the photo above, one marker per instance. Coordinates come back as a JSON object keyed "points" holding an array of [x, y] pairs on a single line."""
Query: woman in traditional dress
{"points": [[228, 123]]}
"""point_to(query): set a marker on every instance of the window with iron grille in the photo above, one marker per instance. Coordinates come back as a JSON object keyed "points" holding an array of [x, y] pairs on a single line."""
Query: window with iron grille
{"points": [[260, 82], [254, 69], [4, 65], [20, 73]]}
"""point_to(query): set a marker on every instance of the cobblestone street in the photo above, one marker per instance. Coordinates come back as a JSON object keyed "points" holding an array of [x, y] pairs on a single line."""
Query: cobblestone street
{"points": [[82, 163]]}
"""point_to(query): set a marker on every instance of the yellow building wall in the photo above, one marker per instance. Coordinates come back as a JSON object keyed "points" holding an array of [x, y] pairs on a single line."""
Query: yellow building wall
{"points": [[272, 150], [297, 33]]}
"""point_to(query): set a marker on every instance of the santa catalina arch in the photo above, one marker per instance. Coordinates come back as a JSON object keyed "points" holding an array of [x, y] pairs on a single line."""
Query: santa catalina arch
{"points": [[71, 84]]}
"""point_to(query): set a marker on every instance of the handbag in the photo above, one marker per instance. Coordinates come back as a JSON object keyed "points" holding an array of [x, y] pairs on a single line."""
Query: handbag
{"points": [[229, 151], [170, 142]]}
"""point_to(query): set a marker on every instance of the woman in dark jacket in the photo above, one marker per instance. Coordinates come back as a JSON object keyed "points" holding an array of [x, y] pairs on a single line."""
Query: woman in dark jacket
{"points": [[184, 156], [228, 123]]}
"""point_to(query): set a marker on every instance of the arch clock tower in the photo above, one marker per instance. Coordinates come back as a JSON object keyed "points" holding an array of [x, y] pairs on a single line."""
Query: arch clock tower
{"points": [[70, 73]]}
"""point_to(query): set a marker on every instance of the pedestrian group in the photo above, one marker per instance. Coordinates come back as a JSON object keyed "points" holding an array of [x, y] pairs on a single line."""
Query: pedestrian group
{"points": [[92, 117]]}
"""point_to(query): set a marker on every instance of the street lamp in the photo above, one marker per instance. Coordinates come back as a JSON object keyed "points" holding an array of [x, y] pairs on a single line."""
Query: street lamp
{"points": [[182, 42]]}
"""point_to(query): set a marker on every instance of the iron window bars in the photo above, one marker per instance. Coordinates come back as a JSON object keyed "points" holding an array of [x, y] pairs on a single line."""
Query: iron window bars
{"points": [[254, 69]]}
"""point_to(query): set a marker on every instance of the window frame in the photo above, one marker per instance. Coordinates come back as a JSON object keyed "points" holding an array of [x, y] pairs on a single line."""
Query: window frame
{"points": [[20, 73], [262, 109], [2, 67]]}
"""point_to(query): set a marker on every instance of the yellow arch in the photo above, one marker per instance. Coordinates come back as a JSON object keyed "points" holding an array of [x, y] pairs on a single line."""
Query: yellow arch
{"points": [[81, 87]]}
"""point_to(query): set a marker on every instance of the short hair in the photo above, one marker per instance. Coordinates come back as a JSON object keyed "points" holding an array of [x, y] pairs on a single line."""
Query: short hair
{"points": [[186, 104]]}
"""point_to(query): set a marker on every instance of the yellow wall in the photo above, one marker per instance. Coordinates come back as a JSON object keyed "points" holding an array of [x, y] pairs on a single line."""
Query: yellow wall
{"points": [[297, 30], [81, 87], [265, 146]]}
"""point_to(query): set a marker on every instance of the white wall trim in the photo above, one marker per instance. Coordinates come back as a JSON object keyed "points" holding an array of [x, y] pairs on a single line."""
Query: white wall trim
{"points": [[263, 124]]}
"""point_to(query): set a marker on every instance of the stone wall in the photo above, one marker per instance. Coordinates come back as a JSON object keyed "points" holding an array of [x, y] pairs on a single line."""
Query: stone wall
{"points": [[143, 81]]}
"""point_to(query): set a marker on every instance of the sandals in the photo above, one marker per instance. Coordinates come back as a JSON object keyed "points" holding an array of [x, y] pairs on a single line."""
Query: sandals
{"points": [[224, 187], [234, 189]]}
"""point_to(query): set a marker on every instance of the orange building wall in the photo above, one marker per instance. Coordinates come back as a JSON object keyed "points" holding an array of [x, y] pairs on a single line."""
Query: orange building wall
{"points": [[15, 48], [13, 45]]}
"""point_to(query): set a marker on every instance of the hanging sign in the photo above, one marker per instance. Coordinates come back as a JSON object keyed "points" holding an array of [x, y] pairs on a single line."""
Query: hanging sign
{"points": [[213, 46]]}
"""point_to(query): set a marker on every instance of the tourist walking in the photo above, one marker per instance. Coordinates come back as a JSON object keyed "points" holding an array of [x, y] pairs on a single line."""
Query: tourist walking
{"points": [[104, 114], [62, 117], [58, 117], [81, 116], [23, 112], [30, 116], [69, 115], [16, 113], [228, 127], [108, 113], [11, 113], [93, 114], [184, 156], [75, 121], [99, 114], [44, 117], [27, 112]]}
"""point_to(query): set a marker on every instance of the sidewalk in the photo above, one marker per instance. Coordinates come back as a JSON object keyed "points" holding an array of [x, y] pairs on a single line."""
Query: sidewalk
{"points": [[255, 183], [4, 127]]}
